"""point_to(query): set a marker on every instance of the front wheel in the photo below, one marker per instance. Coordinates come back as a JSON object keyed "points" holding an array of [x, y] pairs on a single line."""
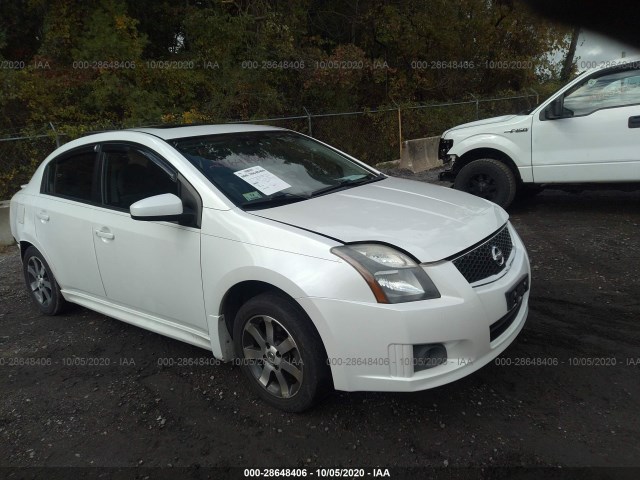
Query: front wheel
{"points": [[280, 353], [489, 179]]}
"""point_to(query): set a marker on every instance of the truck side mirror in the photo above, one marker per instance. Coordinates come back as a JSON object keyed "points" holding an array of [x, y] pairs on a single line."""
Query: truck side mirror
{"points": [[555, 109]]}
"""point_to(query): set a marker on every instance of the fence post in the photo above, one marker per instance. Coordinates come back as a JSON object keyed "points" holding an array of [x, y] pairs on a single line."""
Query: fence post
{"points": [[537, 96], [400, 130], [477, 105], [308, 120], [399, 126], [55, 133]]}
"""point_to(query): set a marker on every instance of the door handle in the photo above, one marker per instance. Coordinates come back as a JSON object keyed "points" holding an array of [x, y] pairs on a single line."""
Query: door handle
{"points": [[634, 122], [105, 235], [42, 215]]}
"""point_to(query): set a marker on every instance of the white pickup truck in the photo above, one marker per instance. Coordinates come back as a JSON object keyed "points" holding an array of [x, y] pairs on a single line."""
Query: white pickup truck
{"points": [[586, 133]]}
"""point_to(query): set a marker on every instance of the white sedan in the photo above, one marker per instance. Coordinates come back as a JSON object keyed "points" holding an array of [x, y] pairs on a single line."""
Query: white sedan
{"points": [[308, 268]]}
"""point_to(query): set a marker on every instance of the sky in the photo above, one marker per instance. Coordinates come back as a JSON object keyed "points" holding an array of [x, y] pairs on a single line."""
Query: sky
{"points": [[593, 46]]}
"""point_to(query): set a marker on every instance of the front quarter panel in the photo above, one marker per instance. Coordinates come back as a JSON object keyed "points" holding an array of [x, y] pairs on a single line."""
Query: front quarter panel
{"points": [[239, 247], [512, 138]]}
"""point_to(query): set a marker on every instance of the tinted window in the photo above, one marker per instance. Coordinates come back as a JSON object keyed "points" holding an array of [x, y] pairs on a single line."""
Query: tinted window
{"points": [[73, 177], [131, 175], [610, 90]]}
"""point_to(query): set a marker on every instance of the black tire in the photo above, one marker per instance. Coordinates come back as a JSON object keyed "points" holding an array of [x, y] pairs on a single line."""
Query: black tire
{"points": [[41, 283], [294, 342], [489, 179]]}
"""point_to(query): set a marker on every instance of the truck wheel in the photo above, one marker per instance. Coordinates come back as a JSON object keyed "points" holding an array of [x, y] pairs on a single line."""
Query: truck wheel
{"points": [[489, 179]]}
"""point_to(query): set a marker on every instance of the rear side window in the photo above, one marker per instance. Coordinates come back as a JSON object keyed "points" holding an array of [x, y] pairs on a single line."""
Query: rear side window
{"points": [[73, 176]]}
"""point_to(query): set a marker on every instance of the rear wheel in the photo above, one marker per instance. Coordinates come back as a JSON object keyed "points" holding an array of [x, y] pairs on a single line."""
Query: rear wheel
{"points": [[280, 353], [489, 179], [41, 283]]}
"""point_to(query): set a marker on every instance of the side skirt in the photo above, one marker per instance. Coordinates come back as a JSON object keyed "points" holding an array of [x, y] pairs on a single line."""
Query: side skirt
{"points": [[139, 319]]}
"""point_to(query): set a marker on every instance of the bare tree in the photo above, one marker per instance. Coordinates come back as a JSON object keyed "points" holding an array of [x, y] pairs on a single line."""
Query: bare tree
{"points": [[567, 66]]}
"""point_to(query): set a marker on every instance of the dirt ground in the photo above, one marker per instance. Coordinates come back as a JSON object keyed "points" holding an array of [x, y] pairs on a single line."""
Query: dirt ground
{"points": [[564, 394]]}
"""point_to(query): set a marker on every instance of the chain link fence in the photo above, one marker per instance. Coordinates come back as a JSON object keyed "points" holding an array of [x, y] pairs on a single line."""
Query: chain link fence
{"points": [[373, 136]]}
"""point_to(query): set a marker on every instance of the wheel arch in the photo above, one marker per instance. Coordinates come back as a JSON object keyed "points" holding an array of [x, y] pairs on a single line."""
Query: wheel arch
{"points": [[486, 152], [24, 245], [242, 292]]}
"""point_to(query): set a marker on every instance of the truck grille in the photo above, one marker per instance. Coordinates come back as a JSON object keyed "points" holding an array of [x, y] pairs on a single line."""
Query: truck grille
{"points": [[479, 262]]}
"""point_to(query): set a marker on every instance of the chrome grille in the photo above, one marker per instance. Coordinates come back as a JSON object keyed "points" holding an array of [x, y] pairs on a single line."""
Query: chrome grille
{"points": [[478, 263]]}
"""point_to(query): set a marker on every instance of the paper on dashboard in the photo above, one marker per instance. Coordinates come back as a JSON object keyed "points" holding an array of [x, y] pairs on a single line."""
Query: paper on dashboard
{"points": [[263, 180]]}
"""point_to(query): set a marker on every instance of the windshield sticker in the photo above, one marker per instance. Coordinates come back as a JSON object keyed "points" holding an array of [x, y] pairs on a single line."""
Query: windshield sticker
{"points": [[251, 196], [264, 181]]}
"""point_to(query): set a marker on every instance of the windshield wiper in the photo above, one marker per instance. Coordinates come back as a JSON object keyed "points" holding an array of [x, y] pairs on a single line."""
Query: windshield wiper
{"points": [[281, 199], [348, 183]]}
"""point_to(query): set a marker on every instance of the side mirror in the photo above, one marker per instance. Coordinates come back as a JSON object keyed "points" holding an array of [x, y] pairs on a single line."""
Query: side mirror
{"points": [[165, 207], [555, 109]]}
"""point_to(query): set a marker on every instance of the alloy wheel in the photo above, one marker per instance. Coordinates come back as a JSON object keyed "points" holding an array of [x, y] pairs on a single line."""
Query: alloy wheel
{"points": [[272, 356], [39, 281]]}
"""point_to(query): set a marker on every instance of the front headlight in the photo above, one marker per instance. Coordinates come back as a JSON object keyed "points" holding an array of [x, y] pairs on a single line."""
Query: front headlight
{"points": [[392, 276]]}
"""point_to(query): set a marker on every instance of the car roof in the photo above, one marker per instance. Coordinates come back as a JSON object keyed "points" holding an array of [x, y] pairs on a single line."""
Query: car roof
{"points": [[182, 131], [160, 133]]}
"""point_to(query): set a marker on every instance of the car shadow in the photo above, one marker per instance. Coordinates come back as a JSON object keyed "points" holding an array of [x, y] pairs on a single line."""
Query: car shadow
{"points": [[560, 201]]}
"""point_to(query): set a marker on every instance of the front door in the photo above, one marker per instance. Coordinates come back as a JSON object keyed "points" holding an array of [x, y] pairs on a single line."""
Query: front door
{"points": [[150, 267], [598, 137]]}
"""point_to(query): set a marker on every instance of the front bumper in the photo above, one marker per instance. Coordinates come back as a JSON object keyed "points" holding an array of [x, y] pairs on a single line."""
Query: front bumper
{"points": [[448, 174], [370, 345], [447, 160]]}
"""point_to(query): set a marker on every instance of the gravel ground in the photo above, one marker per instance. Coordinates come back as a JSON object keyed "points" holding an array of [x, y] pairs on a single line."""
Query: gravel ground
{"points": [[564, 394]]}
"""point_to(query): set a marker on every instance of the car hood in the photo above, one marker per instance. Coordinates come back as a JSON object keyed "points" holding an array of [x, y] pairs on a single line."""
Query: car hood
{"points": [[480, 123], [427, 221]]}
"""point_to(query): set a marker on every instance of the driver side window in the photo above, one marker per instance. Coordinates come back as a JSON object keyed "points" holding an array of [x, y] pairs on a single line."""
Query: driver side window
{"points": [[615, 89]]}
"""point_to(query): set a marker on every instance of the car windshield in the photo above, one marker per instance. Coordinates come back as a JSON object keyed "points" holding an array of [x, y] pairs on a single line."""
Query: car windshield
{"points": [[270, 168]]}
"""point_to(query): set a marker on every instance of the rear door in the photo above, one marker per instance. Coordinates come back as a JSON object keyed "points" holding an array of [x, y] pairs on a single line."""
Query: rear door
{"points": [[598, 140], [65, 211], [150, 267]]}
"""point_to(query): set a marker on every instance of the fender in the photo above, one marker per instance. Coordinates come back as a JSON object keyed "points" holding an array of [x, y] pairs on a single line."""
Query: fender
{"points": [[517, 148], [278, 268], [219, 334]]}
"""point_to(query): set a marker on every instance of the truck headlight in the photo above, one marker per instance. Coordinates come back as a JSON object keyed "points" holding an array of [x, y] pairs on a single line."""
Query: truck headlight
{"points": [[392, 276]]}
